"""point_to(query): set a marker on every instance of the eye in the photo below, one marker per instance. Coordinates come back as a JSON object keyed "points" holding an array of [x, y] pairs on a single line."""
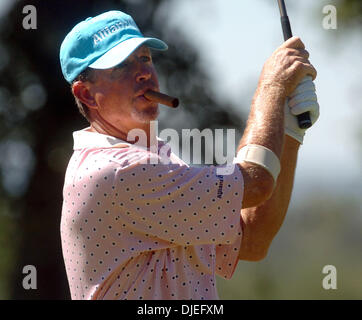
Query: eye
{"points": [[120, 68], [145, 58]]}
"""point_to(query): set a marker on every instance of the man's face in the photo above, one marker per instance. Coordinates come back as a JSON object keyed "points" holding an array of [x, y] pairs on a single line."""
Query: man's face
{"points": [[118, 91]]}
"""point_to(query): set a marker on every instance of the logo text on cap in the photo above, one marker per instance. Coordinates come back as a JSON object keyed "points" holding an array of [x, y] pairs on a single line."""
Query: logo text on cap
{"points": [[107, 31]]}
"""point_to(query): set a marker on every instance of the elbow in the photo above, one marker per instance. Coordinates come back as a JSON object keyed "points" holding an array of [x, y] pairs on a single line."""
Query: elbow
{"points": [[259, 256], [253, 256], [256, 239]]}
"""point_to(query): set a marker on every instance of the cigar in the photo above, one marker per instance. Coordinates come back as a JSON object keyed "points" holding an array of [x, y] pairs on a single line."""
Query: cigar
{"points": [[162, 98]]}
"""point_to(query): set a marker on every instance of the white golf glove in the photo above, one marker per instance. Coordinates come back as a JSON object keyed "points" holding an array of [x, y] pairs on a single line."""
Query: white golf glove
{"points": [[303, 99]]}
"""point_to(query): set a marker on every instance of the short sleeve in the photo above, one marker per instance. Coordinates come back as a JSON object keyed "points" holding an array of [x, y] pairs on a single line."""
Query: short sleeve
{"points": [[227, 258], [180, 204]]}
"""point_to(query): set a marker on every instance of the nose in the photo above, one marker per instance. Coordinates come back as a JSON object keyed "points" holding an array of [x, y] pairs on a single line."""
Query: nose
{"points": [[144, 74]]}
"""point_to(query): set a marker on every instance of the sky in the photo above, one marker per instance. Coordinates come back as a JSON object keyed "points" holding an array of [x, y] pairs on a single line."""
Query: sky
{"points": [[234, 39]]}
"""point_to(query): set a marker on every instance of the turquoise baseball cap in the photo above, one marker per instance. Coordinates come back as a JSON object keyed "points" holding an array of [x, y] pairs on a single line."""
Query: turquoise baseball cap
{"points": [[102, 42]]}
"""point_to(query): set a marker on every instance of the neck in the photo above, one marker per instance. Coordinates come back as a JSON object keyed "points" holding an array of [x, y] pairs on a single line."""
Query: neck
{"points": [[143, 134]]}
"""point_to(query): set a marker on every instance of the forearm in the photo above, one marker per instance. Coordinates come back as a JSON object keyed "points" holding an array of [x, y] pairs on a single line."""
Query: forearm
{"points": [[261, 224], [265, 125]]}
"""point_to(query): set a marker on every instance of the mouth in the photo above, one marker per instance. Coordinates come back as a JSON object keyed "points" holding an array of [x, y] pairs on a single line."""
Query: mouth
{"points": [[143, 99], [141, 93]]}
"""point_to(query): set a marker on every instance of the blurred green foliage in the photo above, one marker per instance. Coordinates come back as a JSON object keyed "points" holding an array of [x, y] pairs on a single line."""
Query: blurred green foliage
{"points": [[349, 12], [8, 248]]}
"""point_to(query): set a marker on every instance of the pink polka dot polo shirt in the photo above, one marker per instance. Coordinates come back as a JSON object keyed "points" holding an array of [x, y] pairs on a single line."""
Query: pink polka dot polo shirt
{"points": [[137, 230]]}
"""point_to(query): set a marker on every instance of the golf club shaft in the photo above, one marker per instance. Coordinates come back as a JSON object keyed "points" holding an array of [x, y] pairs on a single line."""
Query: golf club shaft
{"points": [[304, 121]]}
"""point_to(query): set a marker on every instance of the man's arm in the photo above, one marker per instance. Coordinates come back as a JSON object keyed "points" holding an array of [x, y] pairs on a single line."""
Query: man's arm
{"points": [[261, 217], [281, 74], [260, 224]]}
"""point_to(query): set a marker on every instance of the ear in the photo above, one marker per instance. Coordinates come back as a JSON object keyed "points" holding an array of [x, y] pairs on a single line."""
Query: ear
{"points": [[82, 92]]}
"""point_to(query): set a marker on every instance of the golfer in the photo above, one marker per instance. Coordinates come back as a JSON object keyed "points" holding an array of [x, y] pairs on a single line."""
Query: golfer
{"points": [[139, 223]]}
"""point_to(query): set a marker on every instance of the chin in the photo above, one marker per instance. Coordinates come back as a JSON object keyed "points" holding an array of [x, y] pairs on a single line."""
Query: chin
{"points": [[146, 115]]}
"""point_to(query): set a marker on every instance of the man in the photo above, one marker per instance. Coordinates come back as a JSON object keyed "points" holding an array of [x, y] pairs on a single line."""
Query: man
{"points": [[137, 227]]}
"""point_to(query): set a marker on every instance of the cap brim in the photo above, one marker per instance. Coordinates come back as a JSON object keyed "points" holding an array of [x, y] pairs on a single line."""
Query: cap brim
{"points": [[120, 52]]}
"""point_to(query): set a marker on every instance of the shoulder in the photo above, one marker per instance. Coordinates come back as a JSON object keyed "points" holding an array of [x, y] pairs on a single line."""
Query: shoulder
{"points": [[105, 161]]}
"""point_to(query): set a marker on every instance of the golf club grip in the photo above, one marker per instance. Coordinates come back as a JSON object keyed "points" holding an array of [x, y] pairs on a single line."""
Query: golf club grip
{"points": [[304, 121]]}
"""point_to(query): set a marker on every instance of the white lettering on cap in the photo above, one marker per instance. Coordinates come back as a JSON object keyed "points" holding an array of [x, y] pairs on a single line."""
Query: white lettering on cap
{"points": [[107, 31]]}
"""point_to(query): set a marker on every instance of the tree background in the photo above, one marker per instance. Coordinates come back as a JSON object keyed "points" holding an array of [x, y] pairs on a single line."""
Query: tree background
{"points": [[38, 114]]}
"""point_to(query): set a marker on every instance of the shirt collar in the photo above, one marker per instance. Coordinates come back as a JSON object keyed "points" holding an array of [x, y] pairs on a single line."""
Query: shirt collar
{"points": [[89, 139]]}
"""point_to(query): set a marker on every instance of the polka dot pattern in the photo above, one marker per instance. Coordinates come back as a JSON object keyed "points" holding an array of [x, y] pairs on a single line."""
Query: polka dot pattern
{"points": [[132, 230]]}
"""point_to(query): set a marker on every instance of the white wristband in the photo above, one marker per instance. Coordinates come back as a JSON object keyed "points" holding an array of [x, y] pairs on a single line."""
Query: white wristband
{"points": [[260, 155]]}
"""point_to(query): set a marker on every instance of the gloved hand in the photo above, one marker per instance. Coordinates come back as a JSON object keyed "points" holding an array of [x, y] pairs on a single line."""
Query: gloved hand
{"points": [[303, 99]]}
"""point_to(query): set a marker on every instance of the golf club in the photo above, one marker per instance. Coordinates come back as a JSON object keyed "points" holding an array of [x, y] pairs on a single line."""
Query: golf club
{"points": [[304, 121]]}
